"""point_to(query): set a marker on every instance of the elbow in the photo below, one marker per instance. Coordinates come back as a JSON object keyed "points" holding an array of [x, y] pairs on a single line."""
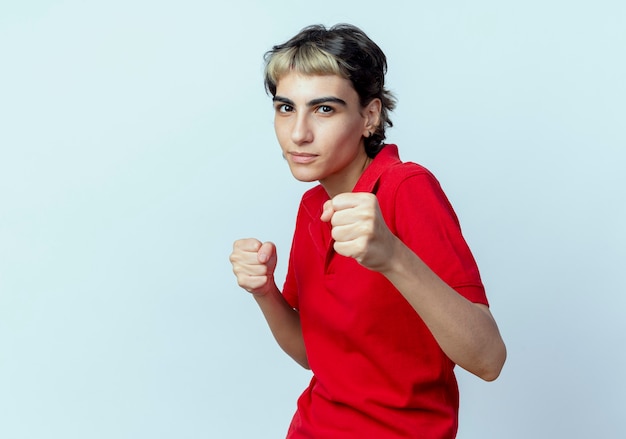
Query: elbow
{"points": [[490, 375], [302, 360], [304, 364], [491, 369]]}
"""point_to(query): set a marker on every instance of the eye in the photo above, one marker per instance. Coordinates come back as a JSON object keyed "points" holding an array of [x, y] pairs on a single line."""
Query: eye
{"points": [[284, 108], [325, 109]]}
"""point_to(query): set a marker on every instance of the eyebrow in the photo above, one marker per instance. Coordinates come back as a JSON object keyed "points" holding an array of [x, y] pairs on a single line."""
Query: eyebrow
{"points": [[312, 102]]}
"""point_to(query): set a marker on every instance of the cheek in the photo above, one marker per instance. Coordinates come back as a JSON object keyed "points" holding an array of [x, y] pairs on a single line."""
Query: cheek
{"points": [[350, 132], [280, 131]]}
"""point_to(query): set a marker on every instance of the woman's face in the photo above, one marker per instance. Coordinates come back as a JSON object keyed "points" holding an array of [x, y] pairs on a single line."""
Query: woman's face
{"points": [[320, 126]]}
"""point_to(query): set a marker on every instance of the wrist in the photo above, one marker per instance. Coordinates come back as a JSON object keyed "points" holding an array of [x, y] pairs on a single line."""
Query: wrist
{"points": [[266, 291], [399, 256]]}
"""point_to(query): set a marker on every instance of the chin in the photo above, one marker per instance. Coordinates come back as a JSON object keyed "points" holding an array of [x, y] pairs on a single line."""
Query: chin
{"points": [[304, 179], [302, 174]]}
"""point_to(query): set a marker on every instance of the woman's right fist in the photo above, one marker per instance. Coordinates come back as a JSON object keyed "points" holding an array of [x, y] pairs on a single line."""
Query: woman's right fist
{"points": [[254, 264]]}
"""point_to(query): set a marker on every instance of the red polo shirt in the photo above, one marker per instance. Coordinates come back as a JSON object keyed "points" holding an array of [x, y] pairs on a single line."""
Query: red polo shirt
{"points": [[377, 370]]}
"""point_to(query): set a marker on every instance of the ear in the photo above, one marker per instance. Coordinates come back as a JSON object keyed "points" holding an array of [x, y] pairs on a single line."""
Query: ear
{"points": [[371, 115]]}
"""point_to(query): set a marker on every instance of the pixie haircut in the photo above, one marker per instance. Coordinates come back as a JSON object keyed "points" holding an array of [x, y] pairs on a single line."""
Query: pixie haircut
{"points": [[343, 50]]}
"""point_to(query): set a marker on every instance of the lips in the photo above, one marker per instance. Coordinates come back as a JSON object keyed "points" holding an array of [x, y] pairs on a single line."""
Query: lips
{"points": [[302, 157]]}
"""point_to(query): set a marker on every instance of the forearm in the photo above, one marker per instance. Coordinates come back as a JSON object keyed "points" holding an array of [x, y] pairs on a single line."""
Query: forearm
{"points": [[465, 331], [284, 322]]}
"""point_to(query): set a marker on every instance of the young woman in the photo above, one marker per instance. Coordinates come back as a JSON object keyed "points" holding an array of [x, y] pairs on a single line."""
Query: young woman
{"points": [[382, 297]]}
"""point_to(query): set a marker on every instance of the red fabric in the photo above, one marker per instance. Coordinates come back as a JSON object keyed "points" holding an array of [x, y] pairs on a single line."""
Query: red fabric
{"points": [[377, 370]]}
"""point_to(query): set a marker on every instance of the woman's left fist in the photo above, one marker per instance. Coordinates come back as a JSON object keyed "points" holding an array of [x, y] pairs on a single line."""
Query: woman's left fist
{"points": [[359, 229]]}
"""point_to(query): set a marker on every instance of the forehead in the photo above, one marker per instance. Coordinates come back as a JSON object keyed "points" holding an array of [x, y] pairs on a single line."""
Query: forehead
{"points": [[297, 85]]}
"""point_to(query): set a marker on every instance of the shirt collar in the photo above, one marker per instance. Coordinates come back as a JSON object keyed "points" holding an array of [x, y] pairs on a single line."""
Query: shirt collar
{"points": [[367, 182], [385, 158]]}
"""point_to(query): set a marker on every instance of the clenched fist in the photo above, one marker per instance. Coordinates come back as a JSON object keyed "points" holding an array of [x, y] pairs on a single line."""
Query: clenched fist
{"points": [[254, 264], [359, 230]]}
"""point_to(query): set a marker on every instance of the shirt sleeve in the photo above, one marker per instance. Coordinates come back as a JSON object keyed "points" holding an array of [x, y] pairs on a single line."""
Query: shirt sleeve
{"points": [[426, 222]]}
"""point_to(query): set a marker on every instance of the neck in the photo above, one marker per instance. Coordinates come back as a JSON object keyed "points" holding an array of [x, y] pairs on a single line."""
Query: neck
{"points": [[346, 180]]}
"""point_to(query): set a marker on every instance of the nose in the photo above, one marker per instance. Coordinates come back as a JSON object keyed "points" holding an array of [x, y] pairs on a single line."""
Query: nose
{"points": [[301, 132]]}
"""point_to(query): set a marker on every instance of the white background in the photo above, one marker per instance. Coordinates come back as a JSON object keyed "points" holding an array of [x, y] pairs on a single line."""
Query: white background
{"points": [[136, 144]]}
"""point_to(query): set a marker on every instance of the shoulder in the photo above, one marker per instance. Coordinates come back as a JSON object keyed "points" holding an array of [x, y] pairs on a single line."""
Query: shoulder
{"points": [[408, 191], [407, 175]]}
